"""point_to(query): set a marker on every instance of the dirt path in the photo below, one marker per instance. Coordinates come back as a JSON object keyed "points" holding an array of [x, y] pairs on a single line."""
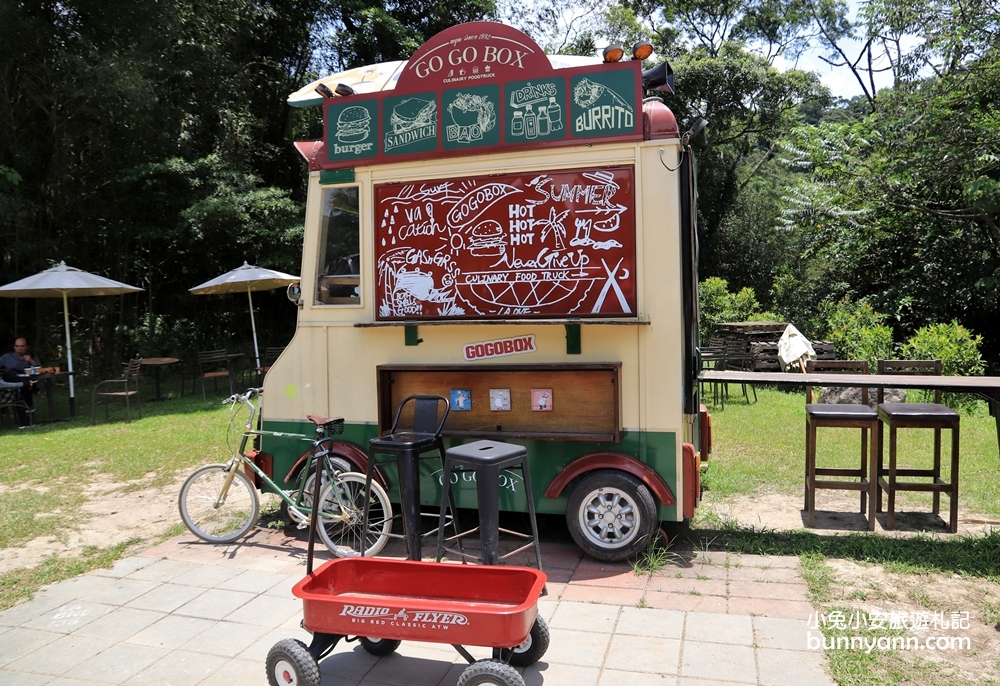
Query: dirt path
{"points": [[114, 517]]}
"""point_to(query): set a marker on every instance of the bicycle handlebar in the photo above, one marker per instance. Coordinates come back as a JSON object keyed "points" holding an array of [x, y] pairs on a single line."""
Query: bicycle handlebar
{"points": [[243, 397]]}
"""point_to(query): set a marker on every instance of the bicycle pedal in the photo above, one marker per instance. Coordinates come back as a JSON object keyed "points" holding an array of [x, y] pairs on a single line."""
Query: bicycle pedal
{"points": [[302, 525]]}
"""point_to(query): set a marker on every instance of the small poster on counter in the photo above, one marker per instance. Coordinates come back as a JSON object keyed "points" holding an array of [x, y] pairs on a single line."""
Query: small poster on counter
{"points": [[500, 399], [541, 399]]}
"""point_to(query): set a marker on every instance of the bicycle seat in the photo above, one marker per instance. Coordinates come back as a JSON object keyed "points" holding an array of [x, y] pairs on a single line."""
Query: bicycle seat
{"points": [[324, 422]]}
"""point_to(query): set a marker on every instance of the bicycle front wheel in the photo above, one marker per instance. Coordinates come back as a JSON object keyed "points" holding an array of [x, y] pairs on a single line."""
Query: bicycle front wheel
{"points": [[344, 536], [212, 517]]}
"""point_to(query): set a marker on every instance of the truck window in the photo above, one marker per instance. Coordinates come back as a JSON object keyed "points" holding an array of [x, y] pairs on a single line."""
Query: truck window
{"points": [[339, 280]]}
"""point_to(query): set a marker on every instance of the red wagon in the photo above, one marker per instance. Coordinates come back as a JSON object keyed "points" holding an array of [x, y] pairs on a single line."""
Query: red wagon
{"points": [[382, 602]]}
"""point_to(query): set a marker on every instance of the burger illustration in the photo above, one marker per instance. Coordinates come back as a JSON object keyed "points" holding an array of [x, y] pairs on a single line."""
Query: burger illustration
{"points": [[353, 124], [486, 239]]}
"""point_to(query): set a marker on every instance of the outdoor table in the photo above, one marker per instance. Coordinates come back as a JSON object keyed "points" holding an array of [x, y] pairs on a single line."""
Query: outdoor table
{"points": [[987, 386], [156, 363], [47, 378]]}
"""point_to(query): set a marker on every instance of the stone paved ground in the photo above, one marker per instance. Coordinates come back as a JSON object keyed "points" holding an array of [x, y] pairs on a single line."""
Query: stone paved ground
{"points": [[187, 612]]}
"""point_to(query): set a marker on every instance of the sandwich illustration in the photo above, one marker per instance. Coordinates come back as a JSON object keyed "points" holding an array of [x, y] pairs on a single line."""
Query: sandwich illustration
{"points": [[353, 124], [412, 113]]}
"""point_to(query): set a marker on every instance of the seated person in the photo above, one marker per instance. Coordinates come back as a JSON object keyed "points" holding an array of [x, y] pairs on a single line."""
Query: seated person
{"points": [[16, 364]]}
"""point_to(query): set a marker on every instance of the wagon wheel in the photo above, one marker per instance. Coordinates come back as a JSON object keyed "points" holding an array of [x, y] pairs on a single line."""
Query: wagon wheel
{"points": [[378, 646], [490, 672], [533, 647], [289, 663]]}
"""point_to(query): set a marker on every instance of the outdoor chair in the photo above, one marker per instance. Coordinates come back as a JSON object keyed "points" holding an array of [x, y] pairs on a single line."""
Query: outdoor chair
{"points": [[738, 359], [214, 365], [846, 416], [271, 354], [416, 429], [713, 358], [916, 416], [121, 390], [10, 399]]}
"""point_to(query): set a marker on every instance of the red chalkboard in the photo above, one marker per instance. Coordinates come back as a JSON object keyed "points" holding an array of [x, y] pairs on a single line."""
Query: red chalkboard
{"points": [[540, 245]]}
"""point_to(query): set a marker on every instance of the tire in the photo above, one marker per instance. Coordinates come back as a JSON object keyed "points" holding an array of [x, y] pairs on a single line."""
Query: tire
{"points": [[345, 539], [534, 646], [339, 464], [611, 515], [379, 646], [227, 522], [289, 663], [491, 672]]}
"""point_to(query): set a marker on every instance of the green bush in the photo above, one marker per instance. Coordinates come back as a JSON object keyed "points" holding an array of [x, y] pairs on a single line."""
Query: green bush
{"points": [[958, 350], [716, 304], [953, 344], [858, 333]]}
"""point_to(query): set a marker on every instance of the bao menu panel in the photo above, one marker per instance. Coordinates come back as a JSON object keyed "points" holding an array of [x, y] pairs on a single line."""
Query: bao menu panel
{"points": [[528, 245], [477, 88], [569, 402]]}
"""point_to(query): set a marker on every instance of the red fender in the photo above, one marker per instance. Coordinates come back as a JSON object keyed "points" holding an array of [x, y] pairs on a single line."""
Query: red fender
{"points": [[623, 463], [692, 479], [350, 452]]}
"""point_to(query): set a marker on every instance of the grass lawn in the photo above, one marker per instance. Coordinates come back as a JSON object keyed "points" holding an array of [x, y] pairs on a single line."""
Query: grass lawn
{"points": [[45, 471]]}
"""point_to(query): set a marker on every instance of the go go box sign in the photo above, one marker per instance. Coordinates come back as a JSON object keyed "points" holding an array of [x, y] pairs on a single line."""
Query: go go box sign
{"points": [[501, 347]]}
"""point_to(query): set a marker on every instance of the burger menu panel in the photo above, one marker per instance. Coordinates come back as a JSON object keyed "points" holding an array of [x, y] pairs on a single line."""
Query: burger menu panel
{"points": [[551, 244], [352, 129]]}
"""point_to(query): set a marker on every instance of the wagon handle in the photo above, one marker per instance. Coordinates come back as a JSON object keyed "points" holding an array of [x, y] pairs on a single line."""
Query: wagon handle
{"points": [[314, 519]]}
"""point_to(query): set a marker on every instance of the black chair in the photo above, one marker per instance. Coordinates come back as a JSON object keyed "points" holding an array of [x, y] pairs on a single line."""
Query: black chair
{"points": [[121, 390], [11, 398], [486, 459], [214, 365], [917, 416], [738, 359], [841, 415], [404, 444]]}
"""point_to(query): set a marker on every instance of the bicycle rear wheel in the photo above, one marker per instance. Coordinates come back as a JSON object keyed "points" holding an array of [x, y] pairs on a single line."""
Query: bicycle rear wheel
{"points": [[346, 538], [207, 517]]}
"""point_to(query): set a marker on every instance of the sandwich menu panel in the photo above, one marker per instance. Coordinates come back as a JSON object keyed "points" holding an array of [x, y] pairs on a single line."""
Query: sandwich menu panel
{"points": [[550, 244]]}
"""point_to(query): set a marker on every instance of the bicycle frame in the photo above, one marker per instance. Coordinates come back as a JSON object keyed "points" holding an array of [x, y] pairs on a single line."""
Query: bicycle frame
{"points": [[240, 458]]}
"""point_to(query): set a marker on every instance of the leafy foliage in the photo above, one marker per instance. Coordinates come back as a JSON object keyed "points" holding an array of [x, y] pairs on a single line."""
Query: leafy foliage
{"points": [[858, 332], [717, 304], [953, 344]]}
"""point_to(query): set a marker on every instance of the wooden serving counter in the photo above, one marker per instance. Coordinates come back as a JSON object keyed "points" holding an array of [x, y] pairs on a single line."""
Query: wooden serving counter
{"points": [[584, 399]]}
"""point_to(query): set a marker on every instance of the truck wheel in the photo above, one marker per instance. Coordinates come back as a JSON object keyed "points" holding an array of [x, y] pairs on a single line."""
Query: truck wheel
{"points": [[289, 663], [378, 646], [533, 647], [492, 672], [611, 515]]}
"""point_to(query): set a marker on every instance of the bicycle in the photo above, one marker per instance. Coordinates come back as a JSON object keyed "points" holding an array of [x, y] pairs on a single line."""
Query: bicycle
{"points": [[218, 503]]}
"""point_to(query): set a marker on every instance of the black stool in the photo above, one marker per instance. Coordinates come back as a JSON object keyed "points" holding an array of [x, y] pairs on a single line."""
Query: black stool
{"points": [[405, 446], [486, 459]]}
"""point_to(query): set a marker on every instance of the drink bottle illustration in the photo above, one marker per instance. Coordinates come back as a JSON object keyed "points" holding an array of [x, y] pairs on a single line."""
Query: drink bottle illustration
{"points": [[555, 114], [543, 121], [517, 124], [530, 124]]}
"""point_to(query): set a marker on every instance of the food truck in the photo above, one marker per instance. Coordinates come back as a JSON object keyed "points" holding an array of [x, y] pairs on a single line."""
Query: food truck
{"points": [[516, 233]]}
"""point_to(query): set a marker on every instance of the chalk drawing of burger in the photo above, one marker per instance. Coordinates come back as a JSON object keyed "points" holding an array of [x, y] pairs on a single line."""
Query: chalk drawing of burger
{"points": [[353, 124]]}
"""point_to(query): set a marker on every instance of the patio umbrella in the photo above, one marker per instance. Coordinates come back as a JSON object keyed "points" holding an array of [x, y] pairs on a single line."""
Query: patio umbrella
{"points": [[65, 282], [246, 278]]}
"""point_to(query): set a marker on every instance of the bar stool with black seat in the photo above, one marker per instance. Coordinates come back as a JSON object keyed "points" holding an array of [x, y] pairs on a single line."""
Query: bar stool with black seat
{"points": [[486, 459], [917, 416], [405, 445], [846, 416]]}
